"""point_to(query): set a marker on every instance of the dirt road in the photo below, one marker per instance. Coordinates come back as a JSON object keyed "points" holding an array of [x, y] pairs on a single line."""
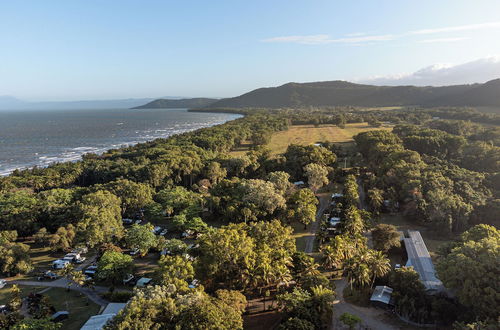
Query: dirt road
{"points": [[372, 318]]}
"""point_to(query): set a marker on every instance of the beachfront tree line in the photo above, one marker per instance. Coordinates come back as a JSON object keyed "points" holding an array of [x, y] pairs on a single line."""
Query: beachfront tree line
{"points": [[252, 194]]}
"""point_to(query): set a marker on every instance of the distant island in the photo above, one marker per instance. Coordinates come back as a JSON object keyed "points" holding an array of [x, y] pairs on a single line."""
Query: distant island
{"points": [[199, 102], [343, 93]]}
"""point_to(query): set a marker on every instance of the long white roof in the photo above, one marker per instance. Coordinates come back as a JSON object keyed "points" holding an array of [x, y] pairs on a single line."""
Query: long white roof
{"points": [[420, 259]]}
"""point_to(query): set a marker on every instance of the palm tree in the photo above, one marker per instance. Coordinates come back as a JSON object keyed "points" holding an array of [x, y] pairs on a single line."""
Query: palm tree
{"points": [[331, 256], [376, 198], [353, 223], [66, 272], [78, 277], [357, 272], [323, 298], [379, 265]]}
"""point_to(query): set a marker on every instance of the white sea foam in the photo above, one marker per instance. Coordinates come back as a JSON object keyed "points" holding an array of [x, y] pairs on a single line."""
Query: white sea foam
{"points": [[75, 153]]}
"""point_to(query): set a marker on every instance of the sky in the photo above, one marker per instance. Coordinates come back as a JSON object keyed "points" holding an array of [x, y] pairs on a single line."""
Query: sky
{"points": [[86, 49]]}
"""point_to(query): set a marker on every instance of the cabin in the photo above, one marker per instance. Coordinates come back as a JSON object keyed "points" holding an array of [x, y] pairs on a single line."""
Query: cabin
{"points": [[98, 322], [420, 259], [382, 297]]}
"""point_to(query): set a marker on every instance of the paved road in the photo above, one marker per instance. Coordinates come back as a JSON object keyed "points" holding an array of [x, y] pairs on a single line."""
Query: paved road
{"points": [[324, 199]]}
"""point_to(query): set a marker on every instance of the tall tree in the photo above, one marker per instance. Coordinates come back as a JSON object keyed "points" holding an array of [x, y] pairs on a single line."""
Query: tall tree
{"points": [[100, 216], [471, 269], [114, 266], [175, 270], [141, 237], [385, 237], [303, 206], [376, 199], [317, 175]]}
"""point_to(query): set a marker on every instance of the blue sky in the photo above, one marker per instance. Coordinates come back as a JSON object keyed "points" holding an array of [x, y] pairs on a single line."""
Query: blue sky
{"points": [[84, 49]]}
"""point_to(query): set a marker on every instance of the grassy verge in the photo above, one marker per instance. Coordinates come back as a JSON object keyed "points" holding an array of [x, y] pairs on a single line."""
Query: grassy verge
{"points": [[359, 297], [80, 308], [25, 291]]}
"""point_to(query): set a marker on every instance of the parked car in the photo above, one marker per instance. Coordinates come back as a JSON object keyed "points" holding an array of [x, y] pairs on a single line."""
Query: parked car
{"points": [[60, 316], [163, 232], [134, 252], [157, 230], [80, 250], [187, 233], [4, 309], [71, 257], [194, 284], [138, 221], [60, 264], [129, 279], [144, 281], [90, 271], [80, 260], [127, 221], [3, 283], [50, 275]]}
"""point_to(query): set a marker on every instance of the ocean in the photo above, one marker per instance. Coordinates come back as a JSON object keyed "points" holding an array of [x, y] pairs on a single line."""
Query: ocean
{"points": [[41, 137]]}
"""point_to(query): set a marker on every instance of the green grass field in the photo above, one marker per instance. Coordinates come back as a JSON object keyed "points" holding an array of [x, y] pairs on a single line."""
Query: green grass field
{"points": [[79, 307], [25, 291], [308, 134], [431, 239]]}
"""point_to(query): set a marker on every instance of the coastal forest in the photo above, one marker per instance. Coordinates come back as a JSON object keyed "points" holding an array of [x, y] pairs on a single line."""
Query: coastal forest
{"points": [[234, 233]]}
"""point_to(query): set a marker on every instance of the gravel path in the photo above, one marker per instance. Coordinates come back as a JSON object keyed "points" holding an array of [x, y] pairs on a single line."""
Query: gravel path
{"points": [[372, 318]]}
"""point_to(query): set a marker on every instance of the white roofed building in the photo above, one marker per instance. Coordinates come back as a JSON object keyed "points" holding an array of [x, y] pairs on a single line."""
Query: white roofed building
{"points": [[420, 259]]}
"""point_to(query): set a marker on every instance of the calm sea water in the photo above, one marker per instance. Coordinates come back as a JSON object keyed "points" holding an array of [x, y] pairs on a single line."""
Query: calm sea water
{"points": [[41, 137]]}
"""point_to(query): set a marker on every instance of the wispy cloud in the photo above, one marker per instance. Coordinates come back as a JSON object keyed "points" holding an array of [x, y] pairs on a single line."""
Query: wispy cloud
{"points": [[478, 71], [359, 37], [440, 40], [319, 39], [469, 27]]}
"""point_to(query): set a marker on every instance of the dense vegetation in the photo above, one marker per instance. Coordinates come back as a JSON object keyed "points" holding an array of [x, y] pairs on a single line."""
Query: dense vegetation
{"points": [[198, 102], [237, 211]]}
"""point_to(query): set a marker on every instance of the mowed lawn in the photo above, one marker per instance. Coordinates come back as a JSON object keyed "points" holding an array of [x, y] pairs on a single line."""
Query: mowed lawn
{"points": [[309, 134], [79, 307]]}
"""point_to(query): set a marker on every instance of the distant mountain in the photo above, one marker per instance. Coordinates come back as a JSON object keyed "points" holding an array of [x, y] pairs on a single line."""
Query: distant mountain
{"points": [[11, 103], [199, 102], [338, 93], [7, 101]]}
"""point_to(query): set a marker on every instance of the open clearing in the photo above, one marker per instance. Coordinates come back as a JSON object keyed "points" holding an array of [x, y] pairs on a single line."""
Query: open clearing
{"points": [[309, 134], [78, 306], [432, 239]]}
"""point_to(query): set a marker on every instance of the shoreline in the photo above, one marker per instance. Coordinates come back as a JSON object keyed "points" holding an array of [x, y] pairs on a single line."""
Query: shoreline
{"points": [[99, 151]]}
